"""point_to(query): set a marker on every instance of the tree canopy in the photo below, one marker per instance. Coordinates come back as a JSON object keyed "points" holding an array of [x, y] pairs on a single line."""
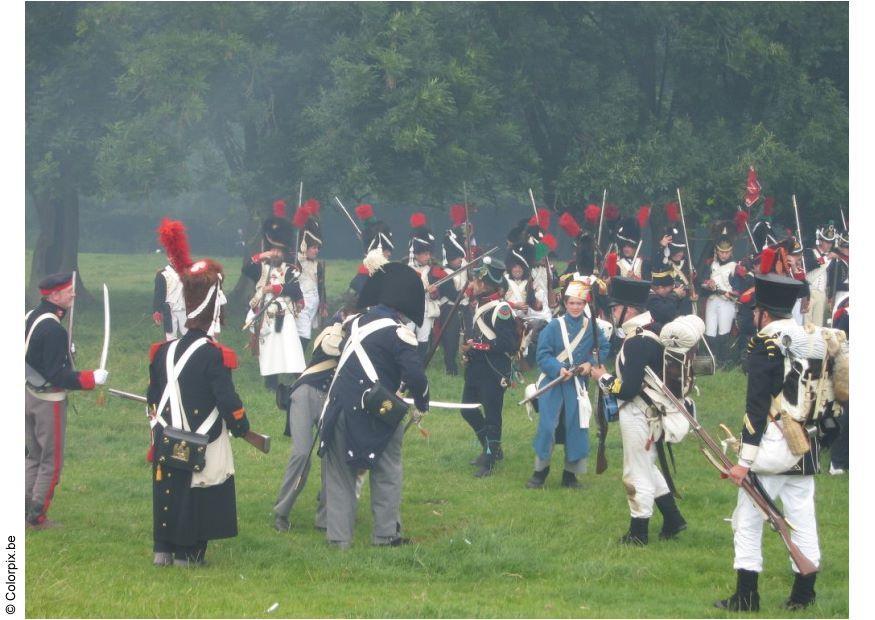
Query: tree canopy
{"points": [[401, 102]]}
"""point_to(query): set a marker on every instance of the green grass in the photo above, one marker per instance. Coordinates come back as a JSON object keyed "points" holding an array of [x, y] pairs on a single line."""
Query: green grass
{"points": [[483, 547]]}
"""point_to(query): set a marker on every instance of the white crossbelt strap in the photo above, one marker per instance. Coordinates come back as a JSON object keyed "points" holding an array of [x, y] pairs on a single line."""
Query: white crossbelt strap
{"points": [[584, 408], [178, 418], [39, 319], [478, 319], [354, 345]]}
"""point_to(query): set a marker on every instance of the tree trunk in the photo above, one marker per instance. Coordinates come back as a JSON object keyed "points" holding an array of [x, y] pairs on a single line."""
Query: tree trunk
{"points": [[57, 245]]}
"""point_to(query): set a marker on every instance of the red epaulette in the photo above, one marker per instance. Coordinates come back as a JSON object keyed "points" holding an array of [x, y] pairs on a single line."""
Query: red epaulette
{"points": [[438, 272], [154, 349], [363, 270], [229, 356]]}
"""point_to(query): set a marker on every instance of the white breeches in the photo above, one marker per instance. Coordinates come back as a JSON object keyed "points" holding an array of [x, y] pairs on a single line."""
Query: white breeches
{"points": [[797, 498], [641, 476], [308, 318], [719, 314], [816, 308], [178, 318], [280, 352]]}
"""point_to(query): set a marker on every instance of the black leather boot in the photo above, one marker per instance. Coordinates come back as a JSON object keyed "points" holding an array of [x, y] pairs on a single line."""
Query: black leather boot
{"points": [[746, 597], [569, 480], [480, 458], [637, 534], [672, 521], [802, 595], [487, 467], [538, 478]]}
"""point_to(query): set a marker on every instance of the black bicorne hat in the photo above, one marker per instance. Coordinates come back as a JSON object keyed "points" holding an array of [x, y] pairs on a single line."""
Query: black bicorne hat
{"points": [[279, 233], [827, 233], [677, 238], [628, 291], [629, 232], [776, 293], [454, 243], [522, 255], [661, 278], [584, 260], [377, 234], [397, 286], [763, 235]]}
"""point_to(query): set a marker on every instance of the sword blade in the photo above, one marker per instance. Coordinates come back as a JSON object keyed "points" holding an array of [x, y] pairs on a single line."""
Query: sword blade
{"points": [[105, 352], [439, 404]]}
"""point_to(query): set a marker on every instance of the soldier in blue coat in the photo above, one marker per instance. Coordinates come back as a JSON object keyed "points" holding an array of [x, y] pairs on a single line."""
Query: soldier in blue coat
{"points": [[565, 410], [378, 353]]}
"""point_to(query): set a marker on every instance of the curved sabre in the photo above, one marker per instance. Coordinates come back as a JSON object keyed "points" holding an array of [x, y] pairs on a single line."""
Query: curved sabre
{"points": [[105, 351]]}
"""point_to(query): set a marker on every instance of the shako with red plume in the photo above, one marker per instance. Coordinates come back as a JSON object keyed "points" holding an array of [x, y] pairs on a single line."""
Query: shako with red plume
{"points": [[673, 212], [611, 268], [174, 240], [612, 212], [279, 208], [643, 216], [421, 239], [740, 220], [542, 220], [364, 212], [591, 213], [568, 224], [458, 215], [768, 206]]}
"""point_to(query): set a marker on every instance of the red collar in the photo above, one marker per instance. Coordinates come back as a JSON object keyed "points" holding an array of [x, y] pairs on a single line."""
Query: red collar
{"points": [[488, 298]]}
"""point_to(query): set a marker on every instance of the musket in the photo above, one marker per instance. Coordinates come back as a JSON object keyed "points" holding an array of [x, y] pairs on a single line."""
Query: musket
{"points": [[750, 484], [598, 241], [799, 233], [450, 275], [689, 255], [467, 230], [298, 230], [264, 308], [844, 220], [549, 386], [358, 230], [261, 442], [601, 463]]}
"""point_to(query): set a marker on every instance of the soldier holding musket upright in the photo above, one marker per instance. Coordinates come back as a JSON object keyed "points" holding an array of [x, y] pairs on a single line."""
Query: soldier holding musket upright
{"points": [[817, 260], [671, 254], [49, 374], [312, 278]]}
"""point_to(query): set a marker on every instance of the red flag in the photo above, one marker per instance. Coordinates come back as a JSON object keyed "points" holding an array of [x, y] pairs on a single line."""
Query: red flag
{"points": [[752, 193]]}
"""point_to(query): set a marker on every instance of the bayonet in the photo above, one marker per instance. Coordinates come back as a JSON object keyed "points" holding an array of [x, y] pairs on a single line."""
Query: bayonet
{"points": [[358, 231]]}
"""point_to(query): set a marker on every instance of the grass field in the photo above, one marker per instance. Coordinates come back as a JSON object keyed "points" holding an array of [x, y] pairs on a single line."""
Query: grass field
{"points": [[487, 548]]}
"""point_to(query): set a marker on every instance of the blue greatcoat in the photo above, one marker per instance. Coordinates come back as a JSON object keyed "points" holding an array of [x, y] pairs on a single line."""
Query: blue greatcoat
{"points": [[565, 394]]}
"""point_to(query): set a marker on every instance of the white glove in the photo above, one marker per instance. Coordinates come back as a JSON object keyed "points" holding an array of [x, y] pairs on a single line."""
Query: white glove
{"points": [[100, 376]]}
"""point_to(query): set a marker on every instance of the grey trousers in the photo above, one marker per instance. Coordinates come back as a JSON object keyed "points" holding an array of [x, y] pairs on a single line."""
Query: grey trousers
{"points": [[45, 424], [304, 410], [386, 482]]}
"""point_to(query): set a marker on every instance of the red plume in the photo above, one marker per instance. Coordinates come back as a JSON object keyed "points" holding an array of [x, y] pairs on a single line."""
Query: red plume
{"points": [[767, 260], [364, 212], [612, 212], [171, 235], [543, 219], [312, 205], [301, 216], [769, 205], [550, 241], [591, 213], [569, 225], [643, 215], [611, 264], [418, 220], [458, 214], [740, 220], [279, 209], [673, 212]]}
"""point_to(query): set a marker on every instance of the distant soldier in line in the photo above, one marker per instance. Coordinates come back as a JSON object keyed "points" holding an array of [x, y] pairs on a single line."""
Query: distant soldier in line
{"points": [[275, 334], [564, 412], [488, 361], [721, 296], [663, 303], [838, 273], [168, 305], [312, 278], [376, 235], [671, 255], [645, 484], [361, 431], [765, 449], [629, 242], [527, 299], [306, 401], [48, 375], [420, 260], [817, 260], [454, 261], [190, 388]]}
